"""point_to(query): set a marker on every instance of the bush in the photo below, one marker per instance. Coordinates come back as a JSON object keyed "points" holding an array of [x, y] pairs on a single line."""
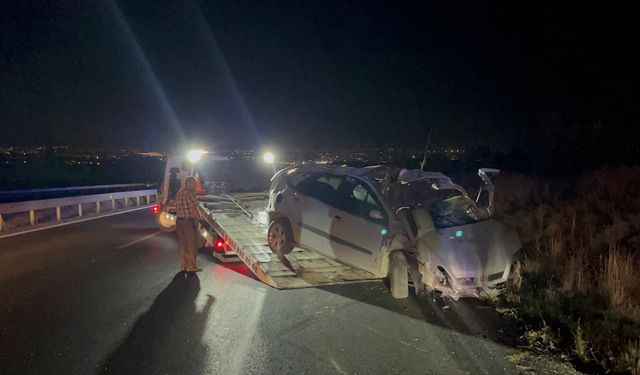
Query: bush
{"points": [[579, 261]]}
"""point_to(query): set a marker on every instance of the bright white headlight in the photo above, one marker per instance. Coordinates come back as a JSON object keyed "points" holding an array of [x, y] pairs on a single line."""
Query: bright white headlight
{"points": [[194, 156], [269, 157]]}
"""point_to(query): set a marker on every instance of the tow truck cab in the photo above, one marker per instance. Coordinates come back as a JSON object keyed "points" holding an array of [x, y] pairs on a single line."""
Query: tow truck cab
{"points": [[214, 173]]}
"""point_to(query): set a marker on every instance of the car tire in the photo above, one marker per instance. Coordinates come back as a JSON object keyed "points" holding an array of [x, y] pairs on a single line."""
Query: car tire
{"points": [[280, 237], [398, 275]]}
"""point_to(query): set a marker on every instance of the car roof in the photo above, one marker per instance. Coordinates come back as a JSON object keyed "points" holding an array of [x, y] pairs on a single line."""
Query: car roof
{"points": [[378, 172], [406, 175], [413, 175], [335, 169]]}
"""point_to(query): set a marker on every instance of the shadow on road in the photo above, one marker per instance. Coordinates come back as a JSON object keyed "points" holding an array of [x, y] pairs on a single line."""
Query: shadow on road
{"points": [[466, 316], [167, 338]]}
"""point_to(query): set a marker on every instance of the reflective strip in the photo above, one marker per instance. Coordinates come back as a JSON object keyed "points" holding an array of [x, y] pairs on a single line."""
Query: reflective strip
{"points": [[335, 239]]}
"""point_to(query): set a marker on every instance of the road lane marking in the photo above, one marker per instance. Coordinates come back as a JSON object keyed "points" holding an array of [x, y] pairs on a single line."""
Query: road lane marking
{"points": [[73, 221], [138, 240]]}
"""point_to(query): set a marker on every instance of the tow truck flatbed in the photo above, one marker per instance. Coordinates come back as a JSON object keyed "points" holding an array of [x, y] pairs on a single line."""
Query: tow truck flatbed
{"points": [[240, 220]]}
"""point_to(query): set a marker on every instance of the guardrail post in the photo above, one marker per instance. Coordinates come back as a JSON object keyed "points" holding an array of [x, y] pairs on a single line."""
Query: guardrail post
{"points": [[58, 214], [98, 207], [148, 199], [79, 209], [32, 217], [113, 204], [137, 201], [1, 223]]}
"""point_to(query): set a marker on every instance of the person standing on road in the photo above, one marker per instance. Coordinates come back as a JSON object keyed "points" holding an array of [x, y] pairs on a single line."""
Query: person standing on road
{"points": [[187, 225]]}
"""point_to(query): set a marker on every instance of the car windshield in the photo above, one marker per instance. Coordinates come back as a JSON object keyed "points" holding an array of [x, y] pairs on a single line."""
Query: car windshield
{"points": [[448, 207], [458, 210]]}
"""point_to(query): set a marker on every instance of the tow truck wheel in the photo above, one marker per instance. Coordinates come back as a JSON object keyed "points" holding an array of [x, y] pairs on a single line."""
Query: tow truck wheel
{"points": [[280, 237], [164, 223], [398, 275]]}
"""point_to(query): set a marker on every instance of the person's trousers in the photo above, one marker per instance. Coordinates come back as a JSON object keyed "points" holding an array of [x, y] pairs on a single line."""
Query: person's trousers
{"points": [[187, 238]]}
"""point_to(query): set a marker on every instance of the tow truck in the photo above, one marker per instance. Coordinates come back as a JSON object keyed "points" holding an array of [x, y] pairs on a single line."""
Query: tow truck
{"points": [[233, 197]]}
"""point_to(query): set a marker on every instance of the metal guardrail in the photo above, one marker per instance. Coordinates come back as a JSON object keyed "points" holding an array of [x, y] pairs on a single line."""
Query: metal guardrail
{"points": [[33, 206], [74, 188]]}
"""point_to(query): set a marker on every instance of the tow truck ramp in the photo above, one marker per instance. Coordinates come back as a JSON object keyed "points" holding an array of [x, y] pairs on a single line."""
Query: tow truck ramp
{"points": [[240, 220]]}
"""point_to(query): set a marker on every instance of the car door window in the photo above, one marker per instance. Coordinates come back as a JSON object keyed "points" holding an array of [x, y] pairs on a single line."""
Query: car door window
{"points": [[296, 177], [357, 199], [321, 187]]}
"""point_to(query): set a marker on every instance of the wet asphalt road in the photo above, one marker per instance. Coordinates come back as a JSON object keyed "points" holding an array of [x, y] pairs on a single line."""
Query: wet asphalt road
{"points": [[104, 297]]}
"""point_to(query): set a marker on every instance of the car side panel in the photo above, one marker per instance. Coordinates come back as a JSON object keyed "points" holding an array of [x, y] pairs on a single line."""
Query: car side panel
{"points": [[314, 223], [356, 241]]}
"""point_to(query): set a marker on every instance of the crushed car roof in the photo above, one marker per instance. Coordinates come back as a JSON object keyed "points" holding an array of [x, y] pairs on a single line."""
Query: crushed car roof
{"points": [[335, 169], [377, 171]]}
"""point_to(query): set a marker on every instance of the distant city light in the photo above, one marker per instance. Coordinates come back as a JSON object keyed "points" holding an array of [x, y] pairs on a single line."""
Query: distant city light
{"points": [[11, 155]]}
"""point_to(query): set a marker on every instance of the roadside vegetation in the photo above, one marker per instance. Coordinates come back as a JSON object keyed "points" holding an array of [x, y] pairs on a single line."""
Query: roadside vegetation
{"points": [[577, 291]]}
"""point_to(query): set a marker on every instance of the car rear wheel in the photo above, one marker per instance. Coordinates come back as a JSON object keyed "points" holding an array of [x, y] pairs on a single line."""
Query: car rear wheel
{"points": [[398, 275], [280, 237]]}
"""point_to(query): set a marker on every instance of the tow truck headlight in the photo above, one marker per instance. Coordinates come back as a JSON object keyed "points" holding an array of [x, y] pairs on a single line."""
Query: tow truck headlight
{"points": [[194, 156], [269, 157]]}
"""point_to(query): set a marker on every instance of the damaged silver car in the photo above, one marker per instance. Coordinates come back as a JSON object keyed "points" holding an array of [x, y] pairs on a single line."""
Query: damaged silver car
{"points": [[412, 226]]}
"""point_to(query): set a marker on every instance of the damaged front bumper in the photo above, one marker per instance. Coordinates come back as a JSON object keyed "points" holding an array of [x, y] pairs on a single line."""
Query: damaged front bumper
{"points": [[436, 278]]}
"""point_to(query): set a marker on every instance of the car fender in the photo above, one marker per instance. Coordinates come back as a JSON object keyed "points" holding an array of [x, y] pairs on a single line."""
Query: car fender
{"points": [[283, 205]]}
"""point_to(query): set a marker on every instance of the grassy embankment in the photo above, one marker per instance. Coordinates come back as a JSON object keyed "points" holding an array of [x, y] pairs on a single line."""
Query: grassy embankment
{"points": [[577, 292]]}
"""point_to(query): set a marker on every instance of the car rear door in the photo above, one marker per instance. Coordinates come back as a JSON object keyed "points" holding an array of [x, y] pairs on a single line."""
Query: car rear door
{"points": [[315, 195], [355, 236]]}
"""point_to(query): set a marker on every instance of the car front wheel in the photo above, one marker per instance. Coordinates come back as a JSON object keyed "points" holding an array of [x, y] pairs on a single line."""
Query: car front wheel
{"points": [[280, 237]]}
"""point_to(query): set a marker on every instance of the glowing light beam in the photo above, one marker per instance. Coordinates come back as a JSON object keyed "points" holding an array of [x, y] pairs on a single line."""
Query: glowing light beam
{"points": [[218, 59], [150, 76]]}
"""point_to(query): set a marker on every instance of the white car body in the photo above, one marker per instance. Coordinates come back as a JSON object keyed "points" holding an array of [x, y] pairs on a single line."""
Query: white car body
{"points": [[359, 216]]}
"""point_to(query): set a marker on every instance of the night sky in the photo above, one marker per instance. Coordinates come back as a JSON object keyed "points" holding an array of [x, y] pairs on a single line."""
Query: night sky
{"points": [[155, 74]]}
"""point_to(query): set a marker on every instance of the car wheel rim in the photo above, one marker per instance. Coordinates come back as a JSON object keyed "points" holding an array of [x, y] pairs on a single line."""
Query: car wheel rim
{"points": [[276, 237]]}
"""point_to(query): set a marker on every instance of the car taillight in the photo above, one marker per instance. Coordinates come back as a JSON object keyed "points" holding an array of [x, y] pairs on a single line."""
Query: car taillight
{"points": [[219, 244], [155, 209]]}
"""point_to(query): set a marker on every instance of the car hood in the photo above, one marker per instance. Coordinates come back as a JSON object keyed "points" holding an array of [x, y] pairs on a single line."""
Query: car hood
{"points": [[483, 251]]}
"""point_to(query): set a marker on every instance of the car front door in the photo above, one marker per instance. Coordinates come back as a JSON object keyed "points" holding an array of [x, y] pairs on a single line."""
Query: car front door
{"points": [[315, 195], [358, 220]]}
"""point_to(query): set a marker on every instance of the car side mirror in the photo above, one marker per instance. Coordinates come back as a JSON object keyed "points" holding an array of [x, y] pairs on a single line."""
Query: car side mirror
{"points": [[375, 214]]}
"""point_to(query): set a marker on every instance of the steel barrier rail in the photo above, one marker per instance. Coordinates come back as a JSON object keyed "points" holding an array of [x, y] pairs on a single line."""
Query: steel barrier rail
{"points": [[34, 205], [74, 188]]}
